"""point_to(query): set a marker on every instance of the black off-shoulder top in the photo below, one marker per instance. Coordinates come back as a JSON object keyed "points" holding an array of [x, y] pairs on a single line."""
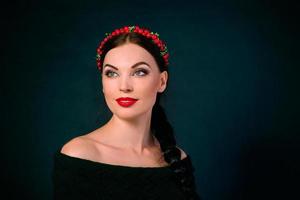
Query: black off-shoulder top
{"points": [[76, 178]]}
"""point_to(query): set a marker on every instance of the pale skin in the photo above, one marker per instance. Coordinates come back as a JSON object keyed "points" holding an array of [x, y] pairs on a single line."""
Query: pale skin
{"points": [[128, 71]]}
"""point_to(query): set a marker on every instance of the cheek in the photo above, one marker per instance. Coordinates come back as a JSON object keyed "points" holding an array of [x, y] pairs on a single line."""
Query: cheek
{"points": [[142, 88], [147, 89], [109, 88]]}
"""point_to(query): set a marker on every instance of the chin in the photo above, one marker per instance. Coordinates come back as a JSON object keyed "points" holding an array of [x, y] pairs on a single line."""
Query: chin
{"points": [[129, 114]]}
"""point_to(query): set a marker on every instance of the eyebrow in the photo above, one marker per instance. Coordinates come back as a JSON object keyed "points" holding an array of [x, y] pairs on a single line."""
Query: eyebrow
{"points": [[133, 66]]}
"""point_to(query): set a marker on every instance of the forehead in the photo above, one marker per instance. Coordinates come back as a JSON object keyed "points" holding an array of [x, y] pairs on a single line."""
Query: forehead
{"points": [[127, 55]]}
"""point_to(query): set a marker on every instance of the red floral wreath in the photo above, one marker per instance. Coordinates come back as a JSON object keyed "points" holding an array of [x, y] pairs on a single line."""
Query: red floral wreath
{"points": [[127, 29]]}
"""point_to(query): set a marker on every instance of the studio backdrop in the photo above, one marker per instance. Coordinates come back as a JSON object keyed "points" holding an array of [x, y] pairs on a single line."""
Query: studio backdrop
{"points": [[232, 96]]}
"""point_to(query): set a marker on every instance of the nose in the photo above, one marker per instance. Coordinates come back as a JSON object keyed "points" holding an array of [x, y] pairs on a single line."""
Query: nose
{"points": [[125, 84]]}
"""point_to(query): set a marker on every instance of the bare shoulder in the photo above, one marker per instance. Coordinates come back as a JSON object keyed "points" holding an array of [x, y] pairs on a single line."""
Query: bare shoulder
{"points": [[183, 154], [78, 147]]}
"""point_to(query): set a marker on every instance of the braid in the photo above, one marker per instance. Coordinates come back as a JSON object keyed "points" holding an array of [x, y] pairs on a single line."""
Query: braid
{"points": [[163, 131]]}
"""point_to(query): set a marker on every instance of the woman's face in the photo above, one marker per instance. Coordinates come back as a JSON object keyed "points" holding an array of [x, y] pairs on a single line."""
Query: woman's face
{"points": [[131, 71]]}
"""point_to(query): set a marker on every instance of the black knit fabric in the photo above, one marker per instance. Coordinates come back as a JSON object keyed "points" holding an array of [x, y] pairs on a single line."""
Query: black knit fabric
{"points": [[76, 178]]}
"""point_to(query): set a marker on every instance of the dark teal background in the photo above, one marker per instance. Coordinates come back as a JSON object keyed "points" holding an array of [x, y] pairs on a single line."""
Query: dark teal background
{"points": [[233, 95]]}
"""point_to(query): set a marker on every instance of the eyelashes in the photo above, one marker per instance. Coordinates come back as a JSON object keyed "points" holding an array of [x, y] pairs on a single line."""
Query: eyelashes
{"points": [[110, 73], [139, 72]]}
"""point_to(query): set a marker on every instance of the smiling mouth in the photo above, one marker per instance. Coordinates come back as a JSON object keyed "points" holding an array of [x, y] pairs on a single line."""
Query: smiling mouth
{"points": [[126, 102]]}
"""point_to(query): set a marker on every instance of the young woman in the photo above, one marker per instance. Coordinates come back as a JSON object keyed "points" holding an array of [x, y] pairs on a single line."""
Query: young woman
{"points": [[134, 155]]}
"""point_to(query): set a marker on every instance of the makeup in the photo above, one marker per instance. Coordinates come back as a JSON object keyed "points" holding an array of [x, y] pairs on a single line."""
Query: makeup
{"points": [[126, 101]]}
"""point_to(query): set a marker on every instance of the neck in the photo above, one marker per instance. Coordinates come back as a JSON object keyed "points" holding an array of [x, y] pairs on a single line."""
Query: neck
{"points": [[133, 135]]}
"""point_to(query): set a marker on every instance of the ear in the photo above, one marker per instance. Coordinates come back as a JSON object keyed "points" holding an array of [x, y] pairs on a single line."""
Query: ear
{"points": [[163, 81]]}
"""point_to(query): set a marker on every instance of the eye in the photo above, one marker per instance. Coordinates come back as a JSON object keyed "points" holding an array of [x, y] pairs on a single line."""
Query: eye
{"points": [[110, 73], [141, 72]]}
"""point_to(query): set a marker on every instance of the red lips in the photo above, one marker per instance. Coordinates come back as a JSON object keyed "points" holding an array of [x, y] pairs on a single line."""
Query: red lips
{"points": [[126, 101]]}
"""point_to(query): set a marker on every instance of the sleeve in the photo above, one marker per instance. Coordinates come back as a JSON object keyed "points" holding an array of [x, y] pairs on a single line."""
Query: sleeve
{"points": [[68, 181], [64, 181], [191, 179]]}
